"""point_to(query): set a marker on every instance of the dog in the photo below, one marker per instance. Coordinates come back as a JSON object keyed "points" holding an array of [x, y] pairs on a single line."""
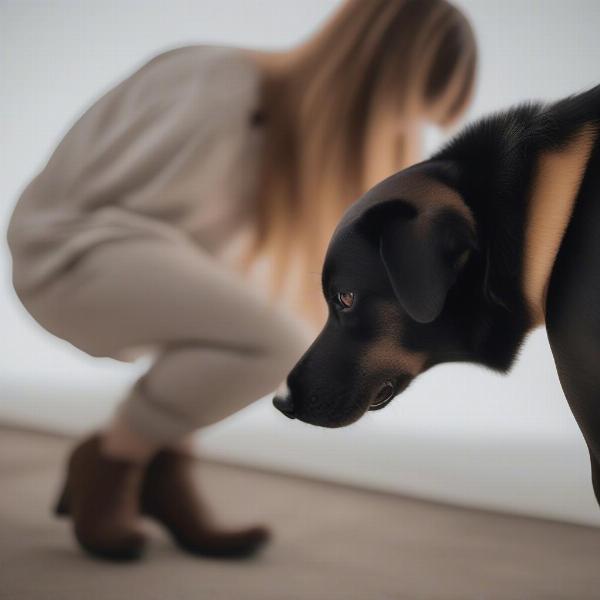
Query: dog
{"points": [[457, 258]]}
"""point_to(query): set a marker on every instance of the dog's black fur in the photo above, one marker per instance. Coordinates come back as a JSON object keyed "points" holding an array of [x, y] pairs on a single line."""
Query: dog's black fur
{"points": [[437, 281]]}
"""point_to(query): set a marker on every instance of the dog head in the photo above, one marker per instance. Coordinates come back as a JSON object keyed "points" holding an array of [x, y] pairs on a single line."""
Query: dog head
{"points": [[392, 282]]}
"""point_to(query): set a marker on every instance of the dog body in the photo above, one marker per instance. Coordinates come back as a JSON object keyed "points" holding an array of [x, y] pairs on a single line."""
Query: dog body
{"points": [[457, 258]]}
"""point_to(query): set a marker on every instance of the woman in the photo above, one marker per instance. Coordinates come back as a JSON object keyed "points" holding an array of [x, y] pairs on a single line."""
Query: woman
{"points": [[207, 176]]}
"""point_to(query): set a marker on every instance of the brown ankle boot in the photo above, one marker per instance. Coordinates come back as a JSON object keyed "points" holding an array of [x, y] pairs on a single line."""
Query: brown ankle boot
{"points": [[170, 497], [101, 494]]}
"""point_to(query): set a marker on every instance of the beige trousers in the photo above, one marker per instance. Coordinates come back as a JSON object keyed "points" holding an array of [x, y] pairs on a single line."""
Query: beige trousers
{"points": [[218, 345]]}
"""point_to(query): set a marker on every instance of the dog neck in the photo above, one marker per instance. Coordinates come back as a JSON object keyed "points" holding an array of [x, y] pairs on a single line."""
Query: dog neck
{"points": [[553, 194]]}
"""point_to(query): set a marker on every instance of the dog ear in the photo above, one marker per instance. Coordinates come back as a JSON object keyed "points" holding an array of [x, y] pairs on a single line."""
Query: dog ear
{"points": [[422, 255]]}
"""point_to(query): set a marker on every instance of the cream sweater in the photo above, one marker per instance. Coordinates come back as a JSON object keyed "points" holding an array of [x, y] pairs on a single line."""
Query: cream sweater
{"points": [[171, 150]]}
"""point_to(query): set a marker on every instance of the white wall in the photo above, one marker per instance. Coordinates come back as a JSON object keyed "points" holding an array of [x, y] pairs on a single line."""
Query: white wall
{"points": [[460, 433]]}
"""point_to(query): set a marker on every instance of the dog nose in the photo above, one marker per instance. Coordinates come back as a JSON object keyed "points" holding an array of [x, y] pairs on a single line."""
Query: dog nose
{"points": [[283, 403]]}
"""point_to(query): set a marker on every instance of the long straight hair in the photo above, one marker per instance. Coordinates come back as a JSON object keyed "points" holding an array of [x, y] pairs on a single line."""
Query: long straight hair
{"points": [[342, 111]]}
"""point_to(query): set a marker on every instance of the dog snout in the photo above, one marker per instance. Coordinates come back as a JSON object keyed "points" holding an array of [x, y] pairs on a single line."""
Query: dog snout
{"points": [[283, 402]]}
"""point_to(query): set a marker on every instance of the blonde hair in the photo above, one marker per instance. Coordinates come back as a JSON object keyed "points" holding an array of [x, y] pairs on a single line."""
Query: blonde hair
{"points": [[343, 111]]}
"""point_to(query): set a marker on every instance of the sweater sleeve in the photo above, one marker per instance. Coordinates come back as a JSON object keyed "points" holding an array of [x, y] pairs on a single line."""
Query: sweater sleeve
{"points": [[171, 145]]}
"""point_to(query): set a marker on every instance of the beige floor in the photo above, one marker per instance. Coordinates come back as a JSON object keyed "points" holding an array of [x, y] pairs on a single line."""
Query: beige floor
{"points": [[332, 543]]}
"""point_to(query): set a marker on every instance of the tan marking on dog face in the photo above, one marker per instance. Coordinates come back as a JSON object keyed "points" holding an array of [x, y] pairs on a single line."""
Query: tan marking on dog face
{"points": [[554, 190], [387, 353]]}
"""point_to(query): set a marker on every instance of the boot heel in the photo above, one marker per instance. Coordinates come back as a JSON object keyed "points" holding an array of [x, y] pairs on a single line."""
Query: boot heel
{"points": [[61, 509]]}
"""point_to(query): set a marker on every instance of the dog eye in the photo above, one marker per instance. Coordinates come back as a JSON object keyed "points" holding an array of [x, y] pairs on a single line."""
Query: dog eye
{"points": [[345, 300]]}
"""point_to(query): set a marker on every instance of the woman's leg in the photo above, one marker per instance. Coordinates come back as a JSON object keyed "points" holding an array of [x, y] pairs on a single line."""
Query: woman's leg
{"points": [[219, 346]]}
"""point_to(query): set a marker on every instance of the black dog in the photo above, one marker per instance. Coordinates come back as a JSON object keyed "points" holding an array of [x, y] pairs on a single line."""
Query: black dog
{"points": [[457, 258]]}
